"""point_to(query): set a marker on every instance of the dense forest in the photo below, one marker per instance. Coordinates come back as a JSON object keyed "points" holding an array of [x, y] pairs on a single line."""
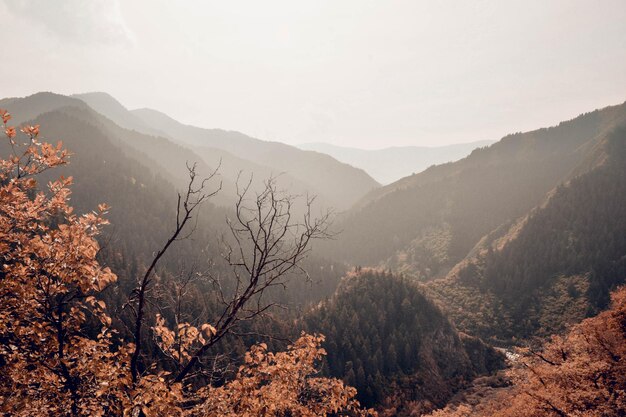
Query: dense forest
{"points": [[390, 342], [559, 268], [163, 280]]}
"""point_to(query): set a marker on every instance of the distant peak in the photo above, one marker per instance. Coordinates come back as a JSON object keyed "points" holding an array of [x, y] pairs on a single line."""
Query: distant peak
{"points": [[46, 94], [149, 111], [100, 96]]}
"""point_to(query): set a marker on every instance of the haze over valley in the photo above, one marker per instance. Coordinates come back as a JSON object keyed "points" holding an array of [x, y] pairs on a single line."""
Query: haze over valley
{"points": [[390, 164], [285, 209]]}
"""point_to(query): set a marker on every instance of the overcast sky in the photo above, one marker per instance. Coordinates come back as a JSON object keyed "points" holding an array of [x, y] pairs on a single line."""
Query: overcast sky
{"points": [[350, 72]]}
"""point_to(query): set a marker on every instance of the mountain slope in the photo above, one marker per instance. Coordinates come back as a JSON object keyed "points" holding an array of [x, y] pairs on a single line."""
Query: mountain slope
{"points": [[162, 164], [235, 153], [161, 155], [108, 106], [556, 267], [142, 195], [229, 167], [339, 183], [390, 164], [106, 169], [394, 345], [426, 223]]}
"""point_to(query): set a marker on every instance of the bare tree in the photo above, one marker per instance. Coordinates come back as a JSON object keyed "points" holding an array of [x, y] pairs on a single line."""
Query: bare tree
{"points": [[186, 207], [266, 244]]}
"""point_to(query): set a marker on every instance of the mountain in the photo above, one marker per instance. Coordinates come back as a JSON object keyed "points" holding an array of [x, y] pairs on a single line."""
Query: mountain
{"points": [[124, 169], [108, 106], [336, 185], [428, 222], [161, 155], [387, 339], [555, 266], [139, 176], [390, 164], [553, 193], [339, 183], [109, 164], [229, 167]]}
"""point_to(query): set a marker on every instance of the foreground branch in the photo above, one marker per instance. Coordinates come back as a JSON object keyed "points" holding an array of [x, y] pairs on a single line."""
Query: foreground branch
{"points": [[265, 246], [186, 206]]}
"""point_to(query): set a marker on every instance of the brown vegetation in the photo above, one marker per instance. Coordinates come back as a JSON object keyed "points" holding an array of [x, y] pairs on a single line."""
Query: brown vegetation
{"points": [[580, 374], [59, 355]]}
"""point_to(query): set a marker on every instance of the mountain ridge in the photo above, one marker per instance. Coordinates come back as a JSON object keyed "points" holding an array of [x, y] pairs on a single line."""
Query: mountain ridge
{"points": [[442, 212], [338, 184], [344, 184]]}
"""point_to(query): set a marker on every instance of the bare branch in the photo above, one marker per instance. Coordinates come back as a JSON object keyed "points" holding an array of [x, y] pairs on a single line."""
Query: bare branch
{"points": [[186, 206], [266, 245]]}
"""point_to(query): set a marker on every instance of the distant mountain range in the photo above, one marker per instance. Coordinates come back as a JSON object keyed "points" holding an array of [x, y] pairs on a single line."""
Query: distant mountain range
{"points": [[390, 164], [337, 185]]}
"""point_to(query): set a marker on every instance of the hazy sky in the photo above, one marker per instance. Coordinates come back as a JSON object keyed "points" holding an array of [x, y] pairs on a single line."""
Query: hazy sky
{"points": [[350, 72]]}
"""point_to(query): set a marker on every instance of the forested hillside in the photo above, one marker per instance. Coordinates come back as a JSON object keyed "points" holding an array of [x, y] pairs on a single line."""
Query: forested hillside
{"points": [[426, 223], [162, 156], [388, 340], [582, 373], [139, 175], [558, 266], [127, 170]]}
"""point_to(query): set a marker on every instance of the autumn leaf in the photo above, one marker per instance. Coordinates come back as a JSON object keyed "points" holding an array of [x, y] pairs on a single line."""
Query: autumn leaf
{"points": [[10, 132], [209, 330]]}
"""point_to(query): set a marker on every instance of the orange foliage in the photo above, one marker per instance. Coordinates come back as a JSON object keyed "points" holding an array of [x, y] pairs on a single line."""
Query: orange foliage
{"points": [[49, 281], [580, 374], [281, 385]]}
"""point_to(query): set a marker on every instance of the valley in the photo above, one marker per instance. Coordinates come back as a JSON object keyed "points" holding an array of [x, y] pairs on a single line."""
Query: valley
{"points": [[418, 286]]}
